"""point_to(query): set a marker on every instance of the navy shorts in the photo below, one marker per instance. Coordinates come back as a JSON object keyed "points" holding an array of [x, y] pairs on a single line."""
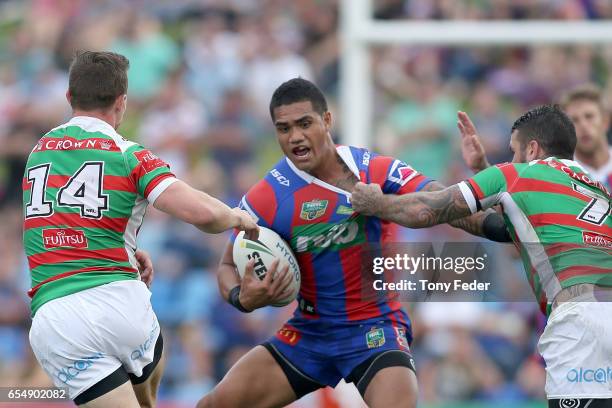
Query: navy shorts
{"points": [[327, 352]]}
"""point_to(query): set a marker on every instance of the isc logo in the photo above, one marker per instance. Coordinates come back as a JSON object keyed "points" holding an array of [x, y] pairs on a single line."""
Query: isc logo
{"points": [[279, 177], [259, 267]]}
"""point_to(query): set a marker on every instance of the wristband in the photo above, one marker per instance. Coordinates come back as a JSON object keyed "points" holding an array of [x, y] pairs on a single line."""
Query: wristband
{"points": [[234, 299], [494, 228]]}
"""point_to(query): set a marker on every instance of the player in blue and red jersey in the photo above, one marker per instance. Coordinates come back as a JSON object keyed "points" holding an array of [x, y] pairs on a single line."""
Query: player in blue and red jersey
{"points": [[335, 332]]}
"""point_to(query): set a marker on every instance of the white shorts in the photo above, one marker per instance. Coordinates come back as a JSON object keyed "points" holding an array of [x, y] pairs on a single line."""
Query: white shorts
{"points": [[577, 348], [82, 338]]}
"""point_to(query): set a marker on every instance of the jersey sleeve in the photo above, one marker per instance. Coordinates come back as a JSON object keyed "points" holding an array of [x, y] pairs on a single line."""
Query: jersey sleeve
{"points": [[260, 202], [149, 174], [395, 176], [486, 188]]}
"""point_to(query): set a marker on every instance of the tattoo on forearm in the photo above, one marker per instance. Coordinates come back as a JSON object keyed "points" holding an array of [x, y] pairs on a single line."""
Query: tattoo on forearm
{"points": [[425, 209], [471, 224]]}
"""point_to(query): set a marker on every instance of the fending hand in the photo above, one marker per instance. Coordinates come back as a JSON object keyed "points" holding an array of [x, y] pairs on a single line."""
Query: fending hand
{"points": [[472, 149], [247, 224], [367, 199]]}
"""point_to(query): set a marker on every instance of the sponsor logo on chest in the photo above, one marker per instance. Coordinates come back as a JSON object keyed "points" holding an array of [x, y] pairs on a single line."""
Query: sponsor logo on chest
{"points": [[64, 237], [327, 236]]}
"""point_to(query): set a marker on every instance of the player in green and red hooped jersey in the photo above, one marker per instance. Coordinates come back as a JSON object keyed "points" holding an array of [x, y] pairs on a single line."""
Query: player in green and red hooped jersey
{"points": [[85, 193], [559, 217]]}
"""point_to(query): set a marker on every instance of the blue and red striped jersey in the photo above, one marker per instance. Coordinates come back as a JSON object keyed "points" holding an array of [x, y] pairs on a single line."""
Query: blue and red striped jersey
{"points": [[327, 237]]}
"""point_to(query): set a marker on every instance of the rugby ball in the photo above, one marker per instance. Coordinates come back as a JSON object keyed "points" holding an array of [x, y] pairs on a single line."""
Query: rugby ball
{"points": [[268, 247]]}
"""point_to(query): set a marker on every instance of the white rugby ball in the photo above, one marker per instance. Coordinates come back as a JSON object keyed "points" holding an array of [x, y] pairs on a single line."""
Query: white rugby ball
{"points": [[265, 250]]}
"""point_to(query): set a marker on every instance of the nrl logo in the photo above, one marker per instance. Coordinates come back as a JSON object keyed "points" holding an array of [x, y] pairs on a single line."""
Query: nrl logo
{"points": [[375, 338], [313, 209]]}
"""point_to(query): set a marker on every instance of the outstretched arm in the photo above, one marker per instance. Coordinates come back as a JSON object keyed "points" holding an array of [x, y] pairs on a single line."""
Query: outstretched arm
{"points": [[425, 209], [488, 223], [202, 210], [417, 210], [473, 224]]}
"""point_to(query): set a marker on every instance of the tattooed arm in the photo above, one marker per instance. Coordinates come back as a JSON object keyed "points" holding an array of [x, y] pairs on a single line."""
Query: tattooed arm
{"points": [[472, 224], [427, 208], [416, 210]]}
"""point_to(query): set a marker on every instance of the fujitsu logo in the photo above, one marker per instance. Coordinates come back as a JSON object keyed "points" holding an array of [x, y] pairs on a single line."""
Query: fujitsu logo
{"points": [[64, 237], [148, 160], [597, 240]]}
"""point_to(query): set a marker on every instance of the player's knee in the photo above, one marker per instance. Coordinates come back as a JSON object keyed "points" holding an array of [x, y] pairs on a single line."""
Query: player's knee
{"points": [[218, 398], [399, 400]]}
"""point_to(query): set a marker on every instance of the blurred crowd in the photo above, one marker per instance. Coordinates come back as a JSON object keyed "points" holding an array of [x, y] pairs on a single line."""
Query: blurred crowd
{"points": [[201, 75]]}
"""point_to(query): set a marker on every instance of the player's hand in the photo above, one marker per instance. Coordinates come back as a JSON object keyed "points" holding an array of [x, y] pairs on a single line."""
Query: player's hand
{"points": [[275, 286], [247, 224], [367, 199], [471, 147], [145, 267]]}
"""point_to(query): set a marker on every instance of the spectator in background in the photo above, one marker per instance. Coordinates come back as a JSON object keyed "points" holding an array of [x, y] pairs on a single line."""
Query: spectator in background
{"points": [[233, 134], [494, 122], [273, 63], [173, 123], [213, 58], [152, 54], [421, 124]]}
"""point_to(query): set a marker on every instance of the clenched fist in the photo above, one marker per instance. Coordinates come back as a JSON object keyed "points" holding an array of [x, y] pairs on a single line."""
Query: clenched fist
{"points": [[367, 199]]}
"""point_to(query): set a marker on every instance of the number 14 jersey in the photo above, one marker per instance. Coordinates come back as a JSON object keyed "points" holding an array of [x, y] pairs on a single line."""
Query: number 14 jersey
{"points": [[85, 192]]}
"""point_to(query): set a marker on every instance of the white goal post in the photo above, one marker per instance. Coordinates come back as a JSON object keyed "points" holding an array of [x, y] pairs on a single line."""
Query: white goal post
{"points": [[359, 30]]}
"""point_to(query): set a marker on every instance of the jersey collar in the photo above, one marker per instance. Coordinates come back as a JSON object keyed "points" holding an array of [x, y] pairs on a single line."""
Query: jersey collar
{"points": [[567, 162], [345, 154], [92, 123]]}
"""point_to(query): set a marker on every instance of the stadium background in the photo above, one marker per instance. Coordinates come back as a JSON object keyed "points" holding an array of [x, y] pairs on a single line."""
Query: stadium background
{"points": [[201, 76]]}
